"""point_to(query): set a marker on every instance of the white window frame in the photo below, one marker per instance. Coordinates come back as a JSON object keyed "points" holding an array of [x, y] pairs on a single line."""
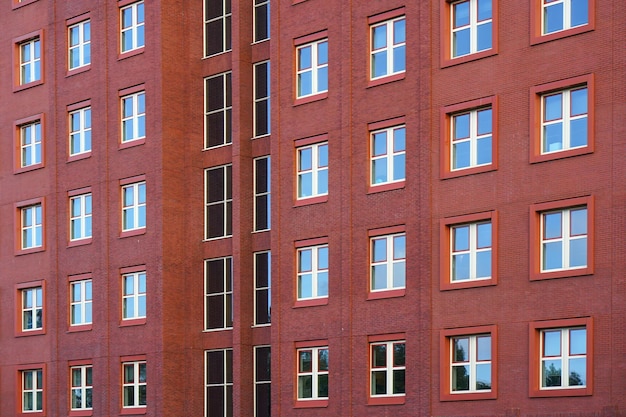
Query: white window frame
{"points": [[30, 61], [83, 390], [566, 237], [258, 382], [31, 227], [315, 170], [226, 202], [473, 138], [34, 391], [389, 368], [259, 289], [389, 156], [35, 294], [135, 27], [472, 362], [80, 131], [472, 251], [82, 217], [260, 100], [227, 384], [473, 27], [136, 298], [136, 117], [389, 49], [389, 262], [259, 195], [83, 45], [567, 15], [83, 304], [136, 384], [565, 120], [314, 374], [258, 6], [31, 144], [314, 69], [565, 356], [226, 110], [226, 18], [314, 272], [226, 295], [135, 205]]}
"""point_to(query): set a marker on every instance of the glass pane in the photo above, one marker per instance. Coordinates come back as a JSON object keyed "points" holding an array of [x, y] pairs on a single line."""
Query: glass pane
{"points": [[484, 9], [322, 80], [304, 58], [379, 37], [305, 185], [399, 31], [460, 378], [398, 382], [398, 354], [379, 143], [485, 119], [322, 53], [483, 264], [484, 37], [322, 357], [379, 64], [461, 13], [305, 260], [578, 253], [379, 171], [552, 255], [399, 140], [578, 132], [578, 372], [578, 341], [322, 386], [379, 382], [552, 225], [483, 376], [399, 247], [379, 277], [461, 42], [305, 286], [399, 58], [580, 12], [399, 275], [460, 238], [305, 159], [553, 106], [322, 182], [398, 167], [553, 18], [322, 156], [551, 373], [305, 386], [579, 101], [461, 155], [306, 361], [578, 222], [484, 152], [483, 348], [552, 343], [322, 284], [305, 83], [460, 267], [379, 356], [379, 250], [461, 349], [483, 232]]}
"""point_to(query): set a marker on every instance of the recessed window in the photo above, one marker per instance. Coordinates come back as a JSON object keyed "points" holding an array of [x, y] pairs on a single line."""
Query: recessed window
{"points": [[470, 257], [32, 390], [218, 297], [261, 20], [312, 170], [218, 382], [217, 26], [262, 288], [80, 131], [134, 295], [262, 381], [388, 155], [134, 384], [262, 114], [133, 117], [559, 15], [564, 239], [81, 387], [134, 206], [262, 194], [30, 144], [312, 373], [132, 25], [79, 45], [31, 309], [218, 202], [471, 23], [81, 300], [218, 109], [388, 262], [30, 61], [564, 121], [312, 68], [80, 217], [387, 369], [312, 279], [471, 139], [31, 227], [388, 48]]}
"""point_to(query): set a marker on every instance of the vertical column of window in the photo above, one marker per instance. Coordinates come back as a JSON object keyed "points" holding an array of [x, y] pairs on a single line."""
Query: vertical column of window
{"points": [[81, 387], [134, 296], [262, 381], [217, 26], [564, 239], [564, 358], [312, 68], [564, 120], [132, 27], [218, 388], [262, 113], [262, 200], [388, 48], [134, 384], [218, 110], [262, 288], [79, 45], [312, 272], [31, 227], [471, 139], [80, 131], [31, 144], [312, 170], [32, 309], [81, 300], [134, 206], [387, 369], [388, 262], [261, 20], [560, 15], [80, 217], [313, 373], [471, 363], [30, 61], [388, 154], [470, 252], [133, 117], [218, 304], [218, 202], [32, 390], [471, 27]]}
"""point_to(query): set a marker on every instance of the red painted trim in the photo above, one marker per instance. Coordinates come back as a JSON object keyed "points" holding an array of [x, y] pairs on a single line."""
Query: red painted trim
{"points": [[536, 36], [132, 269], [388, 337], [17, 130], [311, 98], [313, 37], [379, 188], [312, 140], [388, 15], [534, 357], [386, 79], [377, 295], [311, 343], [389, 400], [19, 287], [16, 60], [311, 302], [18, 391], [386, 124], [18, 225], [390, 230]]}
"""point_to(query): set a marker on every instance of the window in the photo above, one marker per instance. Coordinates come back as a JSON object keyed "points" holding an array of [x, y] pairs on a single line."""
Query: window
{"points": [[32, 309], [388, 48], [312, 170], [312, 272], [217, 26], [30, 61], [32, 390], [469, 363], [388, 148], [558, 15], [388, 262], [468, 251], [218, 383], [262, 114], [471, 27], [81, 387], [218, 296], [132, 26], [30, 144], [134, 295], [80, 302], [80, 217], [262, 381], [261, 20], [218, 202], [80, 131], [312, 68], [133, 117], [134, 385], [134, 206], [564, 238], [262, 200], [562, 362], [262, 288], [387, 369], [469, 138], [218, 108], [31, 226], [313, 373], [79, 42], [562, 119]]}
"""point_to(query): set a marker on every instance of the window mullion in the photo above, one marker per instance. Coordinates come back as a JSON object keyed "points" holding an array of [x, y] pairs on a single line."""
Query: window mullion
{"points": [[473, 11], [566, 238], [473, 139], [472, 355], [566, 117], [390, 261], [390, 35]]}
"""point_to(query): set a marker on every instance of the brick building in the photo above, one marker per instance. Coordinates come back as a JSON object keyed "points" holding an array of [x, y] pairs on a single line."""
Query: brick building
{"points": [[427, 220]]}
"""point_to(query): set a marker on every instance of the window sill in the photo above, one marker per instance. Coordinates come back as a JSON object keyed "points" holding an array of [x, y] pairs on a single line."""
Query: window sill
{"points": [[311, 302], [79, 328], [386, 79], [79, 242], [28, 168], [467, 171], [79, 156], [134, 411], [309, 99], [560, 154], [450, 62], [469, 396], [395, 400], [537, 40], [564, 392], [80, 413], [471, 283], [133, 322], [78, 70], [311, 403], [311, 200], [133, 142], [132, 52], [134, 232], [26, 333], [22, 87], [562, 273], [19, 252], [377, 295], [388, 186]]}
